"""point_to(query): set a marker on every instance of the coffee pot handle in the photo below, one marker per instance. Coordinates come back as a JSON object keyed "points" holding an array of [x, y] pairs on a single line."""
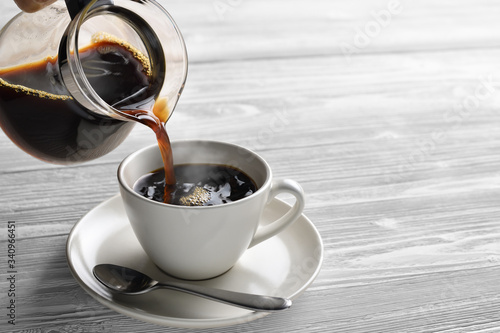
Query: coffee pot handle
{"points": [[75, 6], [273, 228]]}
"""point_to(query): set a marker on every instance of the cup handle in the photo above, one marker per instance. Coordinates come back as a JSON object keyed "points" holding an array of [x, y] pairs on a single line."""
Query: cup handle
{"points": [[277, 187]]}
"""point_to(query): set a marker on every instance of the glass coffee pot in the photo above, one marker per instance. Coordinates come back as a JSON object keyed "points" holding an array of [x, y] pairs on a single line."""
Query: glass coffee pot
{"points": [[74, 74]]}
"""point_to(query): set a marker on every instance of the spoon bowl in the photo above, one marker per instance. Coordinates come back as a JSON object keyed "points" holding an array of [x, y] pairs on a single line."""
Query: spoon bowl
{"points": [[128, 281], [123, 280]]}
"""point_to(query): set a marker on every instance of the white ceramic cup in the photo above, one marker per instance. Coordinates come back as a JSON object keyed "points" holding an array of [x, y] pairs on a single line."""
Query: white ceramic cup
{"points": [[198, 243]]}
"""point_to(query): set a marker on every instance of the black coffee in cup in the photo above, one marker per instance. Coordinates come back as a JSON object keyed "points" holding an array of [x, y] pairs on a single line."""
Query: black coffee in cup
{"points": [[198, 185]]}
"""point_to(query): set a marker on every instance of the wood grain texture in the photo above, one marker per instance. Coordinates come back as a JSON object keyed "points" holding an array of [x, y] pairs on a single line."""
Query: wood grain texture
{"points": [[397, 146]]}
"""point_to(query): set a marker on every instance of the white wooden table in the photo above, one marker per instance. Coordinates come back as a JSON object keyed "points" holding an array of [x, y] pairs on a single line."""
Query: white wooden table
{"points": [[390, 114]]}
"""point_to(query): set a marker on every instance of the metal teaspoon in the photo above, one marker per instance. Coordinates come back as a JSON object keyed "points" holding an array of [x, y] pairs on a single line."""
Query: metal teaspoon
{"points": [[131, 282]]}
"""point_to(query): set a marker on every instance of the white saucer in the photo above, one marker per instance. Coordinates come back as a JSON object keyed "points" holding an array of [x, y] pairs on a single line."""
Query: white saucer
{"points": [[284, 265]]}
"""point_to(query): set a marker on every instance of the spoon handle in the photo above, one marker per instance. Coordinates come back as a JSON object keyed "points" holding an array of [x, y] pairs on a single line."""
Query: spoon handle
{"points": [[242, 300]]}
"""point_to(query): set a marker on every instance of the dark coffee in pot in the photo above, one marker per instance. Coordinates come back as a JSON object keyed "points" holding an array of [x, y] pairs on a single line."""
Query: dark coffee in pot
{"points": [[38, 114]]}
